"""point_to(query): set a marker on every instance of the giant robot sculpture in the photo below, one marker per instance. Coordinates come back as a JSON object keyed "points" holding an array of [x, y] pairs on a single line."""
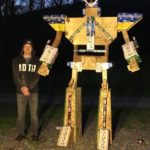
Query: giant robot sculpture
{"points": [[91, 36]]}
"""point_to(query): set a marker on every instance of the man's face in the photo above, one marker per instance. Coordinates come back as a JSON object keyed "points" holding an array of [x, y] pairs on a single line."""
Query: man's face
{"points": [[27, 49], [90, 0]]}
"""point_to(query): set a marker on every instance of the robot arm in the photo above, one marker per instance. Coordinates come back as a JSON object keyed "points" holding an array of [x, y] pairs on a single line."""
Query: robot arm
{"points": [[58, 38], [125, 22], [50, 52], [130, 53], [49, 55]]}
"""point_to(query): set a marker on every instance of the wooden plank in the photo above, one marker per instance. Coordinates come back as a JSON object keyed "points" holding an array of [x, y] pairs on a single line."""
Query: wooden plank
{"points": [[109, 116], [126, 36], [101, 59], [104, 75], [88, 62], [64, 136], [57, 39], [100, 111], [91, 11], [105, 100], [108, 23], [103, 142], [78, 116], [77, 58]]}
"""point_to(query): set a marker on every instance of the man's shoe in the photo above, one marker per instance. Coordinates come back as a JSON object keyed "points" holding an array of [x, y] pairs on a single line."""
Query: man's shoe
{"points": [[19, 137], [35, 138]]}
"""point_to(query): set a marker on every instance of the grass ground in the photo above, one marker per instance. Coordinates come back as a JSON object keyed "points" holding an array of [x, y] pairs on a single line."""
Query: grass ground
{"points": [[128, 126]]}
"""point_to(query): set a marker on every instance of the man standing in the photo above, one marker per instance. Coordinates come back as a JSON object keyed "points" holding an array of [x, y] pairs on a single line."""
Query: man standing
{"points": [[25, 76]]}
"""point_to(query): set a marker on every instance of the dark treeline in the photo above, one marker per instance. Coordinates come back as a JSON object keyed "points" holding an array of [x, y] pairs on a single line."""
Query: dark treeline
{"points": [[15, 7]]}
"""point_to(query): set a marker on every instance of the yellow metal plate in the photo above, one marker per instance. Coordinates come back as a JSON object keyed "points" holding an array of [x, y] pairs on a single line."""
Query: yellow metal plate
{"points": [[126, 25], [58, 27]]}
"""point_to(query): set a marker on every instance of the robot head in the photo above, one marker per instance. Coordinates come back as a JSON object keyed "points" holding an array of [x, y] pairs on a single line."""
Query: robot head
{"points": [[91, 3], [92, 8]]}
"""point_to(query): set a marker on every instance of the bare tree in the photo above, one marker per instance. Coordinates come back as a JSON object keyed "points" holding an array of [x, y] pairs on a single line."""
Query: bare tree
{"points": [[58, 2], [42, 4], [1, 5], [7, 7], [39, 4], [10, 7], [31, 5]]}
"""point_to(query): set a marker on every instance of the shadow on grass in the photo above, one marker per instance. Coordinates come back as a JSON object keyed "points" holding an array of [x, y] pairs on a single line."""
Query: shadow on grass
{"points": [[115, 120], [119, 119], [48, 112], [8, 115], [88, 115]]}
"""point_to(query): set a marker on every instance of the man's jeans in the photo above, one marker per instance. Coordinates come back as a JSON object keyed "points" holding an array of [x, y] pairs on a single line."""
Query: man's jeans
{"points": [[22, 101]]}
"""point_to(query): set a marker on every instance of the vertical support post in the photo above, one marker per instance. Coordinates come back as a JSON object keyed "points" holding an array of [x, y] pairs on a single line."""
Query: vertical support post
{"points": [[104, 133], [78, 116], [72, 116], [74, 79]]}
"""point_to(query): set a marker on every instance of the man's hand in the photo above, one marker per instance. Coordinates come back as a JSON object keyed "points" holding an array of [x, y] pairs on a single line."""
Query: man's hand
{"points": [[25, 91]]}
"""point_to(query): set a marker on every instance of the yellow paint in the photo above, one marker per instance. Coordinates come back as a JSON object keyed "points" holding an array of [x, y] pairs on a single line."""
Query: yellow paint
{"points": [[58, 27]]}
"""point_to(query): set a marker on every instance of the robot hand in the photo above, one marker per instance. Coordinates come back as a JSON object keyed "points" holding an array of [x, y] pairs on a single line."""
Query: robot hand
{"points": [[43, 70], [48, 58], [131, 56]]}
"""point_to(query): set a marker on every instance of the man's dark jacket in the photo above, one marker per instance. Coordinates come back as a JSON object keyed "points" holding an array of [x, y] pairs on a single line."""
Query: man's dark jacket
{"points": [[25, 73]]}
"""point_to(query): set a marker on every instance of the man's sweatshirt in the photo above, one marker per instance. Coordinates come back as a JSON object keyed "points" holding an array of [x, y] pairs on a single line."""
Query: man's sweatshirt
{"points": [[25, 73]]}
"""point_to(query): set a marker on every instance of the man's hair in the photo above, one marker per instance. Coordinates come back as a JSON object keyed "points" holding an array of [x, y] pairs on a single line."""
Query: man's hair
{"points": [[28, 41]]}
